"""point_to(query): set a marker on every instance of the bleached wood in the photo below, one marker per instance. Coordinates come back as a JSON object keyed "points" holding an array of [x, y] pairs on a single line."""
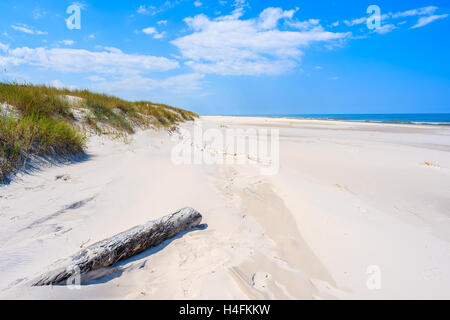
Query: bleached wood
{"points": [[124, 245]]}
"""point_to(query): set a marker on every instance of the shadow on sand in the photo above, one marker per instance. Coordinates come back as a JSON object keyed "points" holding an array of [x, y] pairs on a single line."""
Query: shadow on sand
{"points": [[107, 274], [37, 163]]}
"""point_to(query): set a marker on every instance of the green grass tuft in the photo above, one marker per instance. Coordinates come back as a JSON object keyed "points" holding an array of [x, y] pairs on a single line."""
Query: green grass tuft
{"points": [[34, 135], [101, 113], [34, 100]]}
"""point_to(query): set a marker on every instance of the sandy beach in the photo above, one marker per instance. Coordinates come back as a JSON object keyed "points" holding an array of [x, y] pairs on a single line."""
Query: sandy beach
{"points": [[348, 199]]}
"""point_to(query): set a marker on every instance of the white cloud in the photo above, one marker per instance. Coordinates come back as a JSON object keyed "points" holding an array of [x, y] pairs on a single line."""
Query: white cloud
{"points": [[153, 10], [305, 25], [154, 32], [9, 61], [60, 85], [6, 61], [426, 15], [401, 14], [159, 35], [149, 30], [423, 21], [22, 29], [57, 84], [354, 22], [112, 49], [4, 47], [143, 10], [27, 29], [108, 61], [198, 3], [228, 45], [80, 4], [318, 67], [96, 78], [363, 20], [39, 13], [415, 12], [162, 22], [68, 42], [184, 83], [240, 3], [268, 19], [335, 24], [385, 28]]}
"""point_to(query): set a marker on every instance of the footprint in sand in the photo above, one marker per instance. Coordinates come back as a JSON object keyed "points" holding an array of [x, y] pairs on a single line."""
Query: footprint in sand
{"points": [[63, 177], [259, 280]]}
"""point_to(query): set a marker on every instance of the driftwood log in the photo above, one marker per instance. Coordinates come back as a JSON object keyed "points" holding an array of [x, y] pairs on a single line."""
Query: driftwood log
{"points": [[124, 245]]}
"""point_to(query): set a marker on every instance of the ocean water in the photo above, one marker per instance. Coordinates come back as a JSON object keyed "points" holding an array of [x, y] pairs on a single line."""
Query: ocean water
{"points": [[406, 118]]}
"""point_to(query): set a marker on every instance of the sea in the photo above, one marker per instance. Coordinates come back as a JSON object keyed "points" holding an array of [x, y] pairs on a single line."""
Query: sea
{"points": [[403, 118]]}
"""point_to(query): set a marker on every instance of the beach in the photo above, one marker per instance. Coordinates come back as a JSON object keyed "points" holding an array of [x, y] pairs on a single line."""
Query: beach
{"points": [[353, 211]]}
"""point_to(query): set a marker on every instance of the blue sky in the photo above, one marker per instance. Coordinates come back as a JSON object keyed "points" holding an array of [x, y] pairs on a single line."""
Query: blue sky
{"points": [[238, 56]]}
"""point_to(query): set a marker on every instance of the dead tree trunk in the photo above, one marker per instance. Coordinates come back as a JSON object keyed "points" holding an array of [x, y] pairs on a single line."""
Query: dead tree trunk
{"points": [[121, 246]]}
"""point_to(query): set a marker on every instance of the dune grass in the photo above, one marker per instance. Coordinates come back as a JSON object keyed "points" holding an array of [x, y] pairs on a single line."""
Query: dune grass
{"points": [[101, 113], [35, 135], [34, 100], [46, 123]]}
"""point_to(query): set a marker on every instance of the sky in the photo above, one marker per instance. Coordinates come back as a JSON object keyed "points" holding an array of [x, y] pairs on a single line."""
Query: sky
{"points": [[241, 57]]}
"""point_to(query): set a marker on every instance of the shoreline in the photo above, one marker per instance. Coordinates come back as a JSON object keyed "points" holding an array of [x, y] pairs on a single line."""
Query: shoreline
{"points": [[393, 122]]}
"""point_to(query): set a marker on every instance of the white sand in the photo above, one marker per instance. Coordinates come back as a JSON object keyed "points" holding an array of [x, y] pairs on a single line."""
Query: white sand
{"points": [[347, 196]]}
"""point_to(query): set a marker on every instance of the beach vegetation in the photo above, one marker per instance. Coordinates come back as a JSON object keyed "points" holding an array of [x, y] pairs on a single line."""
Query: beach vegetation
{"points": [[38, 120]]}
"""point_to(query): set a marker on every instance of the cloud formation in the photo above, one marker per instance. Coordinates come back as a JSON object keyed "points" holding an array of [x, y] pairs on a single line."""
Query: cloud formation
{"points": [[67, 42], [154, 32], [152, 10], [27, 29], [184, 83], [423, 21], [425, 14], [386, 28], [229, 45], [108, 61]]}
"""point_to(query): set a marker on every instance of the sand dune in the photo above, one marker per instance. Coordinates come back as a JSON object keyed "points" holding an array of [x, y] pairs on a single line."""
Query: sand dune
{"points": [[347, 197]]}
